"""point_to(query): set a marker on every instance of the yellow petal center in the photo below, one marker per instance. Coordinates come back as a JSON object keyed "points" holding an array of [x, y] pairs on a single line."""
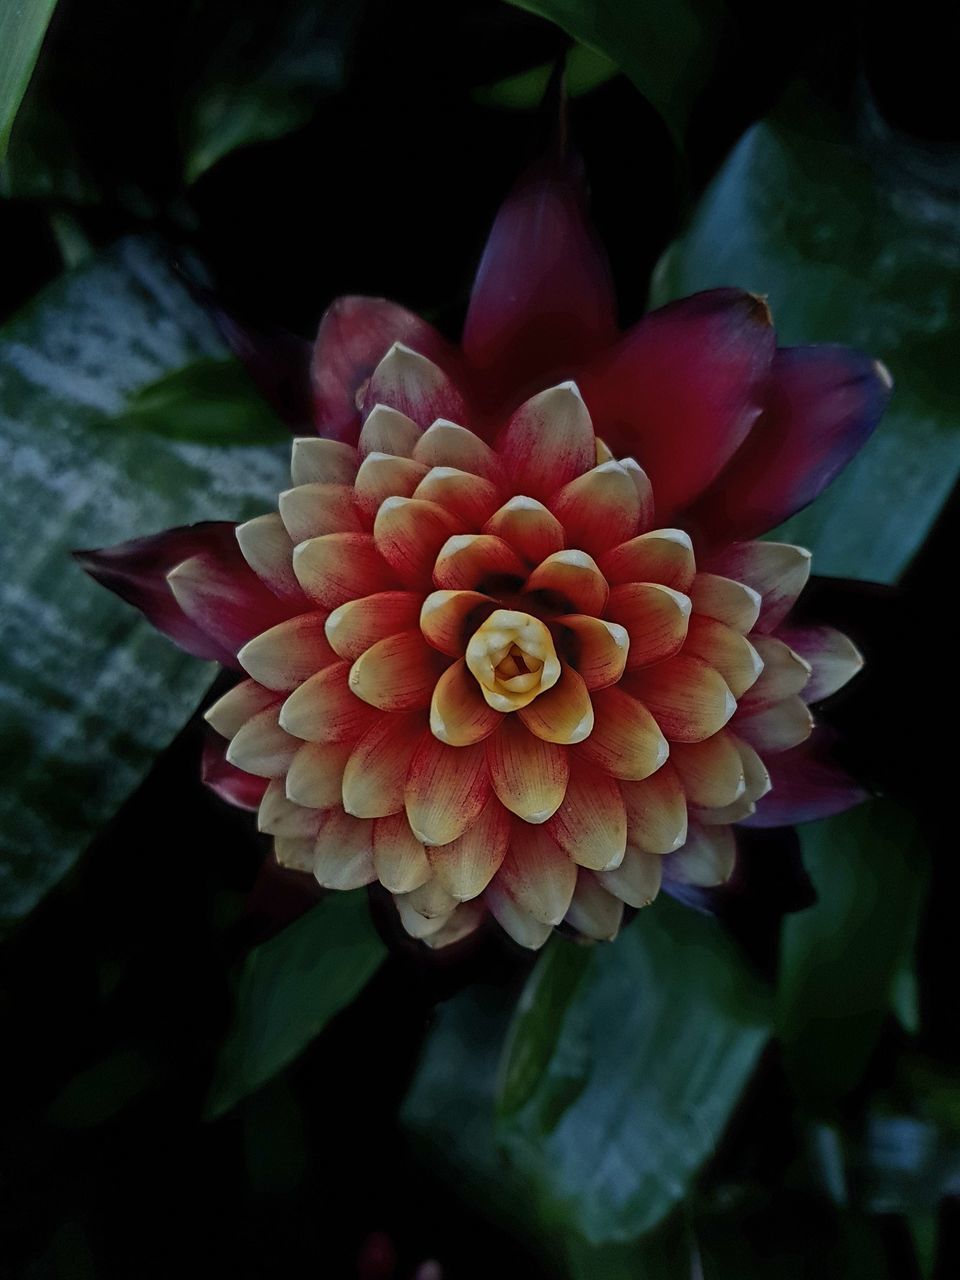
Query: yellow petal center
{"points": [[513, 658]]}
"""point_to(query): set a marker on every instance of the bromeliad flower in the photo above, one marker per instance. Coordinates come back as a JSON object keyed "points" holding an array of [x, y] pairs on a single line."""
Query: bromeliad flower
{"points": [[509, 645]]}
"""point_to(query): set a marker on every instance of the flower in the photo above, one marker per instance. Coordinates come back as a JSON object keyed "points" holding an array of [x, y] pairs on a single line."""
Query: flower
{"points": [[509, 643]]}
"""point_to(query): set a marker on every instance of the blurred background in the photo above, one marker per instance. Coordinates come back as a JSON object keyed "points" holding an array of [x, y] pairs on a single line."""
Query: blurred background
{"points": [[204, 1068]]}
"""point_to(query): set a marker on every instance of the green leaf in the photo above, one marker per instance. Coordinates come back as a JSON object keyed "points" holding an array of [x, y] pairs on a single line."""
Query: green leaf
{"points": [[621, 1077], [666, 50], [852, 239], [209, 401], [289, 990], [838, 958], [89, 692], [585, 69], [23, 24]]}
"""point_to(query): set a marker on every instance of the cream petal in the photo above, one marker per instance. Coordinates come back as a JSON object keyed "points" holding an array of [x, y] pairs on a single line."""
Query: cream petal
{"points": [[641, 482], [529, 527], [387, 430], [431, 899], [777, 728], [711, 772], [730, 602], [626, 741], [467, 560], [310, 510], [655, 618], [707, 859], [465, 866], [238, 705], [637, 879], [548, 442], [383, 476], [538, 875], [444, 444], [376, 772], [724, 649], [459, 713], [268, 550], [399, 857], [563, 714], [416, 386], [469, 497], [833, 657], [398, 673], [755, 772], [338, 567], [449, 618], [324, 709], [446, 789], [528, 774], [591, 824], [518, 924], [784, 673], [575, 578], [279, 816], [343, 853], [316, 461], [776, 571], [261, 746], [599, 648], [656, 812], [409, 533], [594, 912], [294, 853], [662, 555], [315, 775], [289, 653], [688, 699], [598, 509], [358, 624], [461, 922]]}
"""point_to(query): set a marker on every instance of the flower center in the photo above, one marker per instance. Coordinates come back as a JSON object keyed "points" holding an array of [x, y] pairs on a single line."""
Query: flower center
{"points": [[513, 658]]}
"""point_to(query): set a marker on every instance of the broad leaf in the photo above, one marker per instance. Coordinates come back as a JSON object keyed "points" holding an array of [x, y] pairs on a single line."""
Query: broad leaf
{"points": [[666, 50], [584, 69], [852, 239], [625, 1063], [89, 693], [23, 24], [838, 958], [289, 990]]}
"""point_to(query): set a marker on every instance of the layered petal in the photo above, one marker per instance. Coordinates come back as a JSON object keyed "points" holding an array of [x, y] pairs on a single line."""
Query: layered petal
{"points": [[591, 825], [654, 617], [538, 875], [465, 866], [626, 741], [594, 912], [289, 653], [776, 571], [528, 773], [833, 658], [656, 811], [688, 699], [548, 442], [376, 772], [446, 789], [245, 790]]}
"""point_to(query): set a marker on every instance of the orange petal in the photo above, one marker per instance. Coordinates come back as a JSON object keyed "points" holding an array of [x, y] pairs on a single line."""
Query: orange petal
{"points": [[778, 728], [662, 555], [268, 550], [637, 879], [688, 699], [238, 705], [469, 497], [387, 430], [591, 824], [598, 648], [466, 561], [594, 912], [355, 626], [730, 602], [398, 673], [784, 673], [527, 525], [310, 510], [446, 790], [289, 653], [444, 444], [459, 713], [279, 816], [707, 859], [399, 857], [465, 866], [528, 774], [519, 924], [538, 875], [339, 567], [656, 812], [316, 461], [409, 533], [777, 571], [324, 710], [262, 747], [711, 772], [654, 617], [382, 476], [343, 853], [548, 442], [726, 650], [449, 618], [572, 576], [315, 776], [415, 385], [563, 714], [626, 741], [599, 509], [376, 771]]}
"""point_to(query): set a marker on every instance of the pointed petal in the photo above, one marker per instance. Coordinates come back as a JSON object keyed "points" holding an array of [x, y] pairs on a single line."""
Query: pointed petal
{"points": [[343, 853], [315, 776], [626, 741], [449, 618], [543, 294], [339, 567], [594, 912], [409, 533], [445, 444], [447, 788], [238, 705], [654, 617], [527, 525], [383, 475], [784, 673], [806, 785], [312, 509], [468, 560], [388, 430], [707, 859], [288, 653], [683, 388], [641, 482], [469, 497], [777, 728], [776, 571], [726, 650], [244, 790], [226, 600], [279, 816], [323, 709], [519, 924], [711, 772], [822, 404], [316, 461], [416, 925], [599, 509], [563, 714], [688, 699], [599, 648], [573, 576], [537, 875], [459, 713], [268, 550], [465, 866], [755, 772], [431, 899], [398, 856], [637, 879], [662, 555], [725, 600], [295, 854], [376, 772], [656, 812], [833, 657], [398, 673], [356, 625], [528, 774], [406, 380], [262, 747], [724, 815], [591, 824], [461, 923], [548, 442]]}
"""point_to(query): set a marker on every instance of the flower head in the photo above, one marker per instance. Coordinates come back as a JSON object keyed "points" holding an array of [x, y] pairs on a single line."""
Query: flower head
{"points": [[508, 644]]}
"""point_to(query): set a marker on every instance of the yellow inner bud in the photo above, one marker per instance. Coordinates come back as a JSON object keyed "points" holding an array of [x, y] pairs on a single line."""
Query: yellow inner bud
{"points": [[513, 658]]}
